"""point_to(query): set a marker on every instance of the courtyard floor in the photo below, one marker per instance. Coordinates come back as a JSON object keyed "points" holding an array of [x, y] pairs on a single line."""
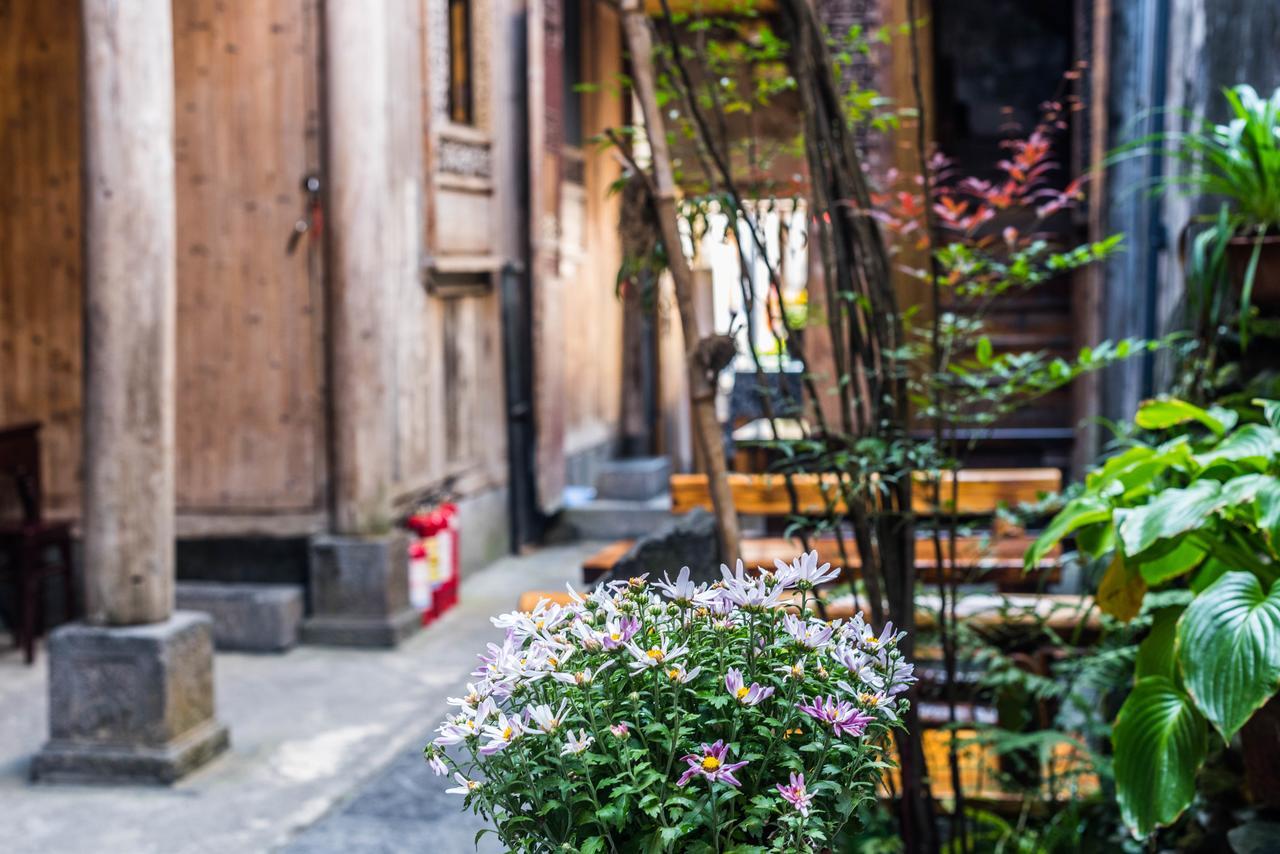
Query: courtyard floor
{"points": [[325, 747]]}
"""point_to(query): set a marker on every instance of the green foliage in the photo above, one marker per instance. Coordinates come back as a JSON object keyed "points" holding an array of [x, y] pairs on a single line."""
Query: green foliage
{"points": [[1238, 162], [1160, 742], [1229, 649], [1195, 514]]}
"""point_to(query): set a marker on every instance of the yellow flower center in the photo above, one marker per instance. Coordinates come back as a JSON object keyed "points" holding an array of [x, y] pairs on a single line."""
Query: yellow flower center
{"points": [[540, 624], [506, 733], [656, 654], [553, 661], [710, 763], [743, 691], [869, 699], [674, 673], [615, 637]]}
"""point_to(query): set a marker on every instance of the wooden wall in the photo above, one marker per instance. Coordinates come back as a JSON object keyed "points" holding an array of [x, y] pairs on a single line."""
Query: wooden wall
{"points": [[40, 268], [252, 402]]}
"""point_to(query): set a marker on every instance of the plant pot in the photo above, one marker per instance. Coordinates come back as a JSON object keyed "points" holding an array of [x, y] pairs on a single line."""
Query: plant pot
{"points": [[1260, 740], [1266, 281]]}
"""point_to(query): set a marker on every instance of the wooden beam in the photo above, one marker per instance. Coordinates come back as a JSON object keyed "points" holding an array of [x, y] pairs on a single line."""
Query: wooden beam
{"points": [[980, 491], [130, 299], [362, 273]]}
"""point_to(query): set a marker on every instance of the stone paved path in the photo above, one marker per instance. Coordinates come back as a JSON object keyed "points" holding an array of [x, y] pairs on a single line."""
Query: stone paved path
{"points": [[404, 808]]}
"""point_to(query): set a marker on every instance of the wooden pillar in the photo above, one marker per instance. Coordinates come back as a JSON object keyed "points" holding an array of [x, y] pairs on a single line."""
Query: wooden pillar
{"points": [[130, 279], [361, 271]]}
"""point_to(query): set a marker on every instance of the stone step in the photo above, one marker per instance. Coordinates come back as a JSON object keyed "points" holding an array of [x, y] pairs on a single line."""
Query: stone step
{"points": [[614, 519], [246, 617], [636, 479]]}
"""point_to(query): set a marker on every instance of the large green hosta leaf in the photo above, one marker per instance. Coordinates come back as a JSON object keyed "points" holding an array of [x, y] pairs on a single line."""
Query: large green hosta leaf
{"points": [[1160, 740], [1172, 512], [1085, 510], [1229, 649], [1252, 444], [1165, 412]]}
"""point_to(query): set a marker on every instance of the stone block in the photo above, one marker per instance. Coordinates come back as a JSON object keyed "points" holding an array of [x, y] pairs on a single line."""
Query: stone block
{"points": [[634, 479], [359, 591], [612, 519], [246, 617], [131, 703], [689, 540]]}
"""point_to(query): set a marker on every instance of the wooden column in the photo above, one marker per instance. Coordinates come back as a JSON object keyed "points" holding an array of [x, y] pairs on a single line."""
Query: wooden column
{"points": [[361, 273], [130, 284]]}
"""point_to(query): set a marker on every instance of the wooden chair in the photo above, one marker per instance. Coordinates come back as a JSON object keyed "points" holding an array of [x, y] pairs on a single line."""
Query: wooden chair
{"points": [[28, 539]]}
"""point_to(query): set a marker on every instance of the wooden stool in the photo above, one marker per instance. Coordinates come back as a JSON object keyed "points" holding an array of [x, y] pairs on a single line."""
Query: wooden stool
{"points": [[29, 539]]}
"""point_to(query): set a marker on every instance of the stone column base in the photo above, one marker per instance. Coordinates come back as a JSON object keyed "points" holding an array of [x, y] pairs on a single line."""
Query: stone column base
{"points": [[131, 704], [359, 591]]}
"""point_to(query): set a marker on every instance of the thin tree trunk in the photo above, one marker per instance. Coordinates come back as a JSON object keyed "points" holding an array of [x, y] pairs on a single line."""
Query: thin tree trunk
{"points": [[706, 428]]}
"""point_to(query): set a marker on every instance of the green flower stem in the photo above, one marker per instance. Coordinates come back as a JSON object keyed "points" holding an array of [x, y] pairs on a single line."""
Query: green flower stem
{"points": [[715, 815]]}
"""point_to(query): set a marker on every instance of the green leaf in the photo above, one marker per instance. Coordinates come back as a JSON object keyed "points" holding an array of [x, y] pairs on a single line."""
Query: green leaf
{"points": [[1270, 410], [1171, 512], [1268, 506], [1163, 413], [1252, 443], [1160, 741], [983, 350], [1183, 558], [1156, 652], [1212, 570], [1229, 649], [1085, 510]]}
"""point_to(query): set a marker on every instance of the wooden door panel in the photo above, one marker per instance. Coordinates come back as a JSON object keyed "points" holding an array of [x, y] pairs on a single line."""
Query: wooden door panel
{"points": [[250, 424]]}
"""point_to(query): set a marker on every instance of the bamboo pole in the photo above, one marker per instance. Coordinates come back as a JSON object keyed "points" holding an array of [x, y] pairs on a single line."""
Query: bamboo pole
{"points": [[706, 428]]}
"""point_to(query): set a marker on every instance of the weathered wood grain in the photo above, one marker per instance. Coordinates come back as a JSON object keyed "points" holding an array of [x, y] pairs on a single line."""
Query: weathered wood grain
{"points": [[130, 287], [250, 367]]}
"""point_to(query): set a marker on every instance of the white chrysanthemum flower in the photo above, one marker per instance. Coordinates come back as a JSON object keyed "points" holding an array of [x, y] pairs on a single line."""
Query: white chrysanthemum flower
{"points": [[575, 744]]}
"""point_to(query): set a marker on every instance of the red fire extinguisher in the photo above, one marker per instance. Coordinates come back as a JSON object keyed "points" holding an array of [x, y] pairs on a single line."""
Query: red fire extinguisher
{"points": [[436, 551]]}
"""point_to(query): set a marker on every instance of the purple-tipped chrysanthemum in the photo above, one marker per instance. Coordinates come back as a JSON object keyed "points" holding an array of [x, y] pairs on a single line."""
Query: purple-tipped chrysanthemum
{"points": [[796, 795], [747, 695], [843, 717], [711, 765]]}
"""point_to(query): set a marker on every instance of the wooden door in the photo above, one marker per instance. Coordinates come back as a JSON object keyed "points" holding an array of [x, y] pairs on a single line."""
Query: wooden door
{"points": [[250, 424]]}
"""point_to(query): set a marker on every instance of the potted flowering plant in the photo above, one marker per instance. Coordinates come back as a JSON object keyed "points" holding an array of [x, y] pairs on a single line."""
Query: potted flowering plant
{"points": [[671, 716]]}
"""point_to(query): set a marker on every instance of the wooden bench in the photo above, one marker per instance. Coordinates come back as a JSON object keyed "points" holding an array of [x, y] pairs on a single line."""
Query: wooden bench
{"points": [[995, 559], [992, 558], [1060, 612], [979, 493]]}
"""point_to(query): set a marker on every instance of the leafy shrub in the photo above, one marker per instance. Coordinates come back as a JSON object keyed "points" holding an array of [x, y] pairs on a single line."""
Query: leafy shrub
{"points": [[676, 716], [1196, 517]]}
